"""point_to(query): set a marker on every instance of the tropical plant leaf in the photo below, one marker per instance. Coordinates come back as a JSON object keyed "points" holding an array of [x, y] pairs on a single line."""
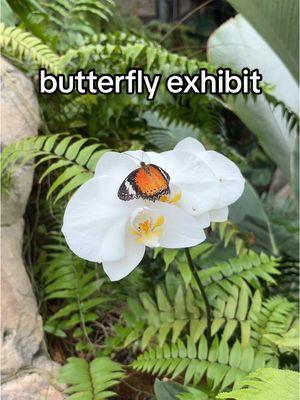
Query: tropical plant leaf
{"points": [[267, 384], [236, 44], [167, 390], [277, 23]]}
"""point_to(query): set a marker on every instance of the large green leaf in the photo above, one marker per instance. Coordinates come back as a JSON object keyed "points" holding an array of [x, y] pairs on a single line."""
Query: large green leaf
{"points": [[236, 44], [277, 21], [295, 167], [249, 208], [167, 390], [7, 14]]}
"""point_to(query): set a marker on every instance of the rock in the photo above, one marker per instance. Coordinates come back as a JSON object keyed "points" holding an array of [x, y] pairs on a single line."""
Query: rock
{"points": [[19, 106], [26, 373], [33, 386], [22, 329], [19, 119], [36, 383]]}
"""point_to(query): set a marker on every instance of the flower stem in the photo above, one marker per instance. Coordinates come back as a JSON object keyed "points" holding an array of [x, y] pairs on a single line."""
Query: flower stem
{"points": [[202, 291]]}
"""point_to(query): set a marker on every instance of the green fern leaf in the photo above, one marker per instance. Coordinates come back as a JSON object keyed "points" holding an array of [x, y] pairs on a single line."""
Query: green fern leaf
{"points": [[221, 365], [24, 46], [90, 380], [178, 309], [66, 280], [72, 156], [271, 318], [267, 384]]}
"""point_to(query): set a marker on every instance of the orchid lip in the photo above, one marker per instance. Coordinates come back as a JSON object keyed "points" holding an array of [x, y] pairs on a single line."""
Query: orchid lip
{"points": [[145, 228]]}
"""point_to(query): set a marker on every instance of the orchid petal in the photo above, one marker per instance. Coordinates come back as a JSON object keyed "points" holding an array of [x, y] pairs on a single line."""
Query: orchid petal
{"points": [[134, 254], [115, 165], [204, 219], [95, 221], [190, 144], [198, 183], [219, 215], [231, 181], [180, 229]]}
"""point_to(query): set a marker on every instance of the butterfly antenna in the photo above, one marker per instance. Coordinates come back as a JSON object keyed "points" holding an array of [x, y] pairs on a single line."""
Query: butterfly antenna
{"points": [[130, 155]]}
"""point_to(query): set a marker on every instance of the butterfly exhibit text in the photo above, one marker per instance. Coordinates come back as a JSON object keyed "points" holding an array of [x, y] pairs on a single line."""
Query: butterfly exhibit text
{"points": [[136, 81]]}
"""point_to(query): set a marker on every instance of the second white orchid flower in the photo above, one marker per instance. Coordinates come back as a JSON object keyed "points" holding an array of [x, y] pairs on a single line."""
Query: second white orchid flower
{"points": [[99, 226]]}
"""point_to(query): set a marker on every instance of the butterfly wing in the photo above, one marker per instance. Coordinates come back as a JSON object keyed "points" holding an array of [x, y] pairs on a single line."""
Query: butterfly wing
{"points": [[128, 190], [159, 171], [150, 183]]}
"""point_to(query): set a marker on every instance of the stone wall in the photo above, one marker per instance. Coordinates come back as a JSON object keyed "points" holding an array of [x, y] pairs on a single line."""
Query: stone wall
{"points": [[26, 372]]}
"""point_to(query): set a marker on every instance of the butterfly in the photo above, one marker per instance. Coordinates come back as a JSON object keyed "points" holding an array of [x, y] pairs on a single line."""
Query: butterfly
{"points": [[148, 182]]}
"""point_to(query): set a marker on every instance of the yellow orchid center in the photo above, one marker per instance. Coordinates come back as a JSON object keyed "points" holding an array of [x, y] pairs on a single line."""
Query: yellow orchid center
{"points": [[167, 198], [147, 230]]}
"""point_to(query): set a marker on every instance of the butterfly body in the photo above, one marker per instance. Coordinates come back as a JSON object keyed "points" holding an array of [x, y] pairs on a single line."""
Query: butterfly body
{"points": [[148, 182]]}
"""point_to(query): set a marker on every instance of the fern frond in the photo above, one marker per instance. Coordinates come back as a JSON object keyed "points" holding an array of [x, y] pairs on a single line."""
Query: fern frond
{"points": [[267, 384], [90, 380], [165, 134], [25, 47], [131, 51], [170, 122], [290, 116], [221, 364], [272, 318], [177, 308], [164, 318], [73, 16], [75, 156], [249, 267], [288, 341], [229, 233], [65, 278]]}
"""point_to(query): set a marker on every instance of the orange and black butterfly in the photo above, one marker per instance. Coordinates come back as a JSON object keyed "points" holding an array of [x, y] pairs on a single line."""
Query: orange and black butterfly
{"points": [[148, 182]]}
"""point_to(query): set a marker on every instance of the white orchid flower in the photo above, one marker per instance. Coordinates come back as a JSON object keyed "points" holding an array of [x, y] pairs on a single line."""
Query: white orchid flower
{"points": [[226, 183], [100, 227]]}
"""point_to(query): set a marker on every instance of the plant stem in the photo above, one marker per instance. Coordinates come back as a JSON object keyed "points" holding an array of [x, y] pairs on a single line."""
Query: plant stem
{"points": [[202, 291], [188, 15]]}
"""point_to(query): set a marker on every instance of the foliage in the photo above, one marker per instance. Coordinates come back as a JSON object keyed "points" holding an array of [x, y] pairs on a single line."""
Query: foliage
{"points": [[90, 380], [236, 44], [176, 308], [222, 364], [194, 394], [229, 233], [274, 317], [266, 384], [285, 31], [76, 155], [289, 115], [64, 22], [26, 47], [166, 390], [66, 279]]}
